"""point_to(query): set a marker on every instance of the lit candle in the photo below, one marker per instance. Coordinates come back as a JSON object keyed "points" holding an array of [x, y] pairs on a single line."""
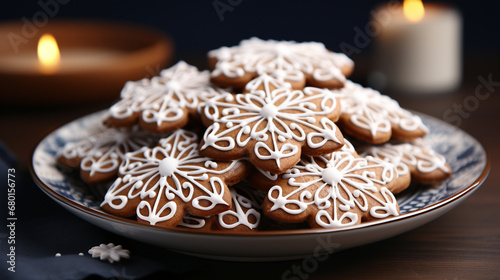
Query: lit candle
{"points": [[48, 54], [419, 48], [82, 62], [49, 59]]}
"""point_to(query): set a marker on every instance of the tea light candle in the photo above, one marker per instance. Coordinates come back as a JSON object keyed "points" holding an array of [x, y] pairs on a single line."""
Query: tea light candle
{"points": [[74, 59], [83, 61], [419, 48]]}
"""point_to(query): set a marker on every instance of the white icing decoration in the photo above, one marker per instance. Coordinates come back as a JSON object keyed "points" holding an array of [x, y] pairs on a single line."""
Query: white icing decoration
{"points": [[416, 154], [339, 182], [348, 147], [168, 166], [104, 150], [240, 202], [210, 164], [375, 112], [284, 60], [166, 97], [190, 221], [331, 176], [132, 95], [109, 252], [261, 114], [246, 202], [389, 170], [257, 84], [392, 154], [171, 170]]}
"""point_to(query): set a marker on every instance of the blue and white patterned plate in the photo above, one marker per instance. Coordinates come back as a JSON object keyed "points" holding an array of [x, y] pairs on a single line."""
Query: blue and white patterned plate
{"points": [[419, 205]]}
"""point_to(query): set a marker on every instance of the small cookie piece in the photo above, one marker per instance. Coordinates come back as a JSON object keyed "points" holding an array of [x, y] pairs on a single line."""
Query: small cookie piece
{"points": [[244, 214], [164, 103], [416, 158], [99, 155], [375, 118], [271, 124], [109, 252], [160, 185], [331, 191], [296, 63]]}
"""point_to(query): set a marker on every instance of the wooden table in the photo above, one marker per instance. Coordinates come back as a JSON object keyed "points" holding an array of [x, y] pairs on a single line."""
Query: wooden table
{"points": [[462, 244]]}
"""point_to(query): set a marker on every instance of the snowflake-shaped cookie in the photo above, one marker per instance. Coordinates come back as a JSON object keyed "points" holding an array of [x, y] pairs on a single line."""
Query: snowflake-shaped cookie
{"points": [[160, 185], [271, 124], [396, 182], [163, 103], [416, 158], [100, 154], [375, 118], [285, 60], [332, 191], [244, 214], [259, 177], [109, 252]]}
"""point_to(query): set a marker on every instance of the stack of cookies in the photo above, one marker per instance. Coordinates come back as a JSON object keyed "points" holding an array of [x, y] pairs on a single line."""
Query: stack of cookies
{"points": [[274, 136]]}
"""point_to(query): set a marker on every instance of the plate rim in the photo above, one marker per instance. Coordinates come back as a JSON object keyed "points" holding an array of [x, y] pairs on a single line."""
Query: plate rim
{"points": [[268, 233]]}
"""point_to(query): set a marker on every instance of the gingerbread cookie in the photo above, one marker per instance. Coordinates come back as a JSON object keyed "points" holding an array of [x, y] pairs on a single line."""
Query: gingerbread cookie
{"points": [[394, 182], [244, 214], [390, 172], [297, 63], [331, 191], [164, 103], [160, 185], [259, 175], [416, 158], [271, 124], [375, 118], [99, 155]]}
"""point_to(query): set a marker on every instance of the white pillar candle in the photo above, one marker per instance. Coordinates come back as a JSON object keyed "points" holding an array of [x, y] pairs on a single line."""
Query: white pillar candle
{"points": [[419, 57]]}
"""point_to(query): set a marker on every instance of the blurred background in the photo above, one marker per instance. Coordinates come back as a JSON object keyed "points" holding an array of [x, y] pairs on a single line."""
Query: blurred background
{"points": [[199, 26]]}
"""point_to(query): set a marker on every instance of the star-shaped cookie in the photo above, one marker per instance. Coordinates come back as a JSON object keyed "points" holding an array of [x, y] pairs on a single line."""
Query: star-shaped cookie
{"points": [[416, 159], [297, 63], [331, 191], [164, 103], [161, 185], [375, 118], [99, 155], [271, 124]]}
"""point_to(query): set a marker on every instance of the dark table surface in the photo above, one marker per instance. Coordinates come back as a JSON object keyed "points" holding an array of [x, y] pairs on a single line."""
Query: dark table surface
{"points": [[462, 244]]}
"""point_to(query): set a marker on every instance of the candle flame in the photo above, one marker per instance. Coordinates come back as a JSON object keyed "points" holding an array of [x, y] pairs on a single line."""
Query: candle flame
{"points": [[48, 53], [413, 10]]}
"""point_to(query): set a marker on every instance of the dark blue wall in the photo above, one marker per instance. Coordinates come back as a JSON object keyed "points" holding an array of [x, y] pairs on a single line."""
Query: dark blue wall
{"points": [[197, 26]]}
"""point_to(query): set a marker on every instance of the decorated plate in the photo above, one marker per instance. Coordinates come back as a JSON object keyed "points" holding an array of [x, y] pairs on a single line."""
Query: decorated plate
{"points": [[419, 204]]}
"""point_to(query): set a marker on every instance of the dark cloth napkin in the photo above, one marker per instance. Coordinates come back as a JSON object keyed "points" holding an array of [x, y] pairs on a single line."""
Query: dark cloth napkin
{"points": [[44, 229]]}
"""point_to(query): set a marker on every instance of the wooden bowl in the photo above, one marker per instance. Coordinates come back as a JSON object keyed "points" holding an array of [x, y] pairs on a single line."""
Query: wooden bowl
{"points": [[137, 52]]}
